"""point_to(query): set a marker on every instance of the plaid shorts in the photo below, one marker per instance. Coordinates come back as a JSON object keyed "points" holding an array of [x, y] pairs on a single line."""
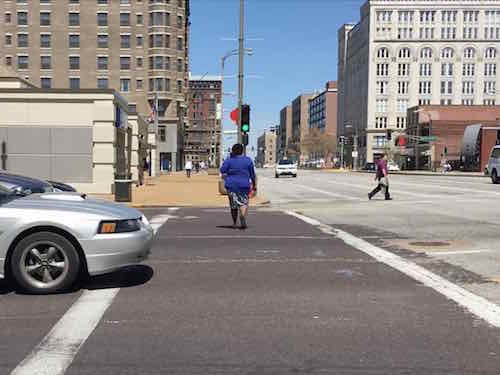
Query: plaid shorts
{"points": [[237, 199]]}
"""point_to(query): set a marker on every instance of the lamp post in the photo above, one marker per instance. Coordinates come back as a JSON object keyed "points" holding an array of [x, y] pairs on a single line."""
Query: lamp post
{"points": [[355, 156]]}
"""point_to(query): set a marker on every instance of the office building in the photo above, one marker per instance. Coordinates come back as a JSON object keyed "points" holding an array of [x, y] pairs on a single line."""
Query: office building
{"points": [[266, 149]]}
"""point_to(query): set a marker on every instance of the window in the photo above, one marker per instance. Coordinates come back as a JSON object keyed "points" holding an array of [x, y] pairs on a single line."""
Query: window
{"points": [[158, 62], [449, 33], [102, 2], [405, 17], [382, 70], [44, 19], [74, 19], [426, 33], [159, 84], [471, 32], [139, 41], [124, 19], [381, 87], [180, 65], [74, 83], [380, 140], [490, 53], [490, 87], [22, 62], [468, 70], [124, 63], [139, 62], [125, 84], [22, 40], [446, 87], [138, 84], [8, 39], [445, 101], [179, 3], [162, 133], [179, 22], [179, 44], [156, 19], [468, 87], [45, 40], [427, 16], [8, 18], [447, 53], [469, 53], [124, 41], [167, 84], [489, 101], [102, 19], [449, 16], [490, 70], [380, 122], [102, 41], [45, 83], [403, 87], [401, 122], [425, 70], [467, 101], [139, 19], [124, 2], [8, 60], [426, 53], [74, 41], [22, 18], [74, 62], [424, 87], [102, 63], [403, 70], [179, 87], [404, 53], [447, 69], [384, 16], [45, 62], [167, 63], [157, 41], [167, 41], [405, 33], [167, 19], [102, 83], [381, 105], [424, 101], [471, 16], [402, 105], [74, 1], [383, 53]]}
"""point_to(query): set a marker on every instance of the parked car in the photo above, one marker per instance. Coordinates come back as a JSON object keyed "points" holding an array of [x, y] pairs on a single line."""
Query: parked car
{"points": [[50, 240], [494, 165], [393, 167], [62, 186], [369, 167], [286, 167], [28, 183]]}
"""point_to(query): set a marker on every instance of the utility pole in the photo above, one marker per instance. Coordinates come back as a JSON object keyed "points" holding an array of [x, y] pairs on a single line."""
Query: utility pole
{"points": [[241, 50]]}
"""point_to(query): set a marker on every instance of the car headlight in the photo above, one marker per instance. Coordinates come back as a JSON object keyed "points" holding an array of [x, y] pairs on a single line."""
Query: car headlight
{"points": [[119, 226]]}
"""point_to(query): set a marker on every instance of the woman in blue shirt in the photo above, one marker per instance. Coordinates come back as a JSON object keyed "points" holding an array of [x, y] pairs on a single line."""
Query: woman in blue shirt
{"points": [[238, 171]]}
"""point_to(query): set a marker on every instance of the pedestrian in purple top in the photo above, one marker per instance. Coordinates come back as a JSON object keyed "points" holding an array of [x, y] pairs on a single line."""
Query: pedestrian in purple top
{"points": [[238, 171], [382, 176]]}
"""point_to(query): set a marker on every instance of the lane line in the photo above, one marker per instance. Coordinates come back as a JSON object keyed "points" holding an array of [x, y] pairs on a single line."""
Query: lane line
{"points": [[477, 305], [458, 252], [56, 351], [236, 237]]}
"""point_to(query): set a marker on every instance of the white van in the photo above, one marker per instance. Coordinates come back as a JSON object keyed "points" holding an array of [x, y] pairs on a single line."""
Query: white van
{"points": [[494, 165]]}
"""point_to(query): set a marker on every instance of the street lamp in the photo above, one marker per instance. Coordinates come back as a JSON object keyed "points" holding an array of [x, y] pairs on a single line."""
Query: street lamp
{"points": [[355, 156]]}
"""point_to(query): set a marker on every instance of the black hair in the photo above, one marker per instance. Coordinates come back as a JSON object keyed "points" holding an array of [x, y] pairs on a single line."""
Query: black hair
{"points": [[237, 150]]}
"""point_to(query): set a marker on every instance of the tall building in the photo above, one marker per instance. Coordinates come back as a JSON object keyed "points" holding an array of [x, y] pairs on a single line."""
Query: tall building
{"points": [[405, 53], [300, 125], [266, 148], [203, 132], [138, 47], [285, 131], [323, 123]]}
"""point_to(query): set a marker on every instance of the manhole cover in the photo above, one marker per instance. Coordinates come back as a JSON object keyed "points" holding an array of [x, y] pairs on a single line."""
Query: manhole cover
{"points": [[430, 243]]}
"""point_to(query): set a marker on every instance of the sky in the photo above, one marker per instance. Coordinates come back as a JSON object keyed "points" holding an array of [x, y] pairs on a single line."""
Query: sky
{"points": [[294, 46]]}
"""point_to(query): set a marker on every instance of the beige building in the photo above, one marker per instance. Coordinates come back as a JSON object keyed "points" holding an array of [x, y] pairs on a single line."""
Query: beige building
{"points": [[137, 47], [300, 126], [405, 53], [84, 137], [266, 148]]}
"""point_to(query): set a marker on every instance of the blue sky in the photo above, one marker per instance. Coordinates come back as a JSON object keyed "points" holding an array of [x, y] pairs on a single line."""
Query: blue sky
{"points": [[295, 49]]}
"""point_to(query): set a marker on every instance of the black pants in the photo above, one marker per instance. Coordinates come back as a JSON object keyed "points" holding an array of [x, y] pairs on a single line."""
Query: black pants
{"points": [[188, 172], [378, 188]]}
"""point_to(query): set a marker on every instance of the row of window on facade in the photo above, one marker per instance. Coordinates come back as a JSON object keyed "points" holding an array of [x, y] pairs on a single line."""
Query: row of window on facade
{"points": [[101, 2], [447, 33], [425, 87], [447, 69], [155, 84], [155, 19], [155, 41], [446, 53], [491, 17]]}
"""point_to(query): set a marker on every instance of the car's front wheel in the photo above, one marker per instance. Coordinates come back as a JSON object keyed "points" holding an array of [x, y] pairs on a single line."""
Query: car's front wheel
{"points": [[494, 177], [45, 262], [276, 175]]}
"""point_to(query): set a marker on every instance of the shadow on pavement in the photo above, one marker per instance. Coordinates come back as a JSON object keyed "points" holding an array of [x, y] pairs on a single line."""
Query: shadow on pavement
{"points": [[123, 278], [6, 287]]}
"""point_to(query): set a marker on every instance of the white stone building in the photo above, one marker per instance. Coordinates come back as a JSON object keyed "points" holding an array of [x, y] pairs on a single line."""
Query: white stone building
{"points": [[405, 53]]}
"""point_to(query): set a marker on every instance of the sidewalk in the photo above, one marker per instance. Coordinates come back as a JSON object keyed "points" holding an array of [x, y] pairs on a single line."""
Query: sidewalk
{"points": [[201, 190]]}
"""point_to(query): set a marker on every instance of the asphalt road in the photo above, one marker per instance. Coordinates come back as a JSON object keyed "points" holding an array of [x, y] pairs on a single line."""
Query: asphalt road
{"points": [[283, 297]]}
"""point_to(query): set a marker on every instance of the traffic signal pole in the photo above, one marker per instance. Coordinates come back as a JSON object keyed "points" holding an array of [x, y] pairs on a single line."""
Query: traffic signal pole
{"points": [[240, 67]]}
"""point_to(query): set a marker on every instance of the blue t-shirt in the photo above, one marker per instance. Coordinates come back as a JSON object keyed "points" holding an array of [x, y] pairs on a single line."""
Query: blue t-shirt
{"points": [[239, 171]]}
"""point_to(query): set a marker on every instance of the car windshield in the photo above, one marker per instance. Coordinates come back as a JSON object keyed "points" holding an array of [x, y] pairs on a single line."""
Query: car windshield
{"points": [[7, 195], [285, 162]]}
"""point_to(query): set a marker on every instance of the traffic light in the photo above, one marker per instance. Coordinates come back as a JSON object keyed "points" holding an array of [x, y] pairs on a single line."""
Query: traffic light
{"points": [[244, 139], [245, 118]]}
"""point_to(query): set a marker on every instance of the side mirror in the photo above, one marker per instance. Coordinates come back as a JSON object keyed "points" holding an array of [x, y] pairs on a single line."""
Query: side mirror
{"points": [[19, 190]]}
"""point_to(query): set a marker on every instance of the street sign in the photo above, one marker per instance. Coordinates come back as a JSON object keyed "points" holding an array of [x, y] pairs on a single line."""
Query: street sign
{"points": [[354, 154], [428, 138]]}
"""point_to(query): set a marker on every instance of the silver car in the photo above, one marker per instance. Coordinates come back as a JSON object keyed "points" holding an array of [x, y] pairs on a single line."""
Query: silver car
{"points": [[48, 241]]}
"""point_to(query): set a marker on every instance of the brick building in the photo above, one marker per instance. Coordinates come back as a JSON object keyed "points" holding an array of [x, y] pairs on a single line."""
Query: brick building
{"points": [[448, 125]]}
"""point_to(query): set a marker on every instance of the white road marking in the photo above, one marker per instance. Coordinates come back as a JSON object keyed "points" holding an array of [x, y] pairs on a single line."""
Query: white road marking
{"points": [[174, 209], [477, 305], [458, 252], [57, 350], [158, 221], [236, 237]]}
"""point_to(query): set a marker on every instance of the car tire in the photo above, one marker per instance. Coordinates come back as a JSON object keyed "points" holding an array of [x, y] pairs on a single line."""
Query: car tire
{"points": [[295, 176], [44, 263], [494, 177], [277, 175]]}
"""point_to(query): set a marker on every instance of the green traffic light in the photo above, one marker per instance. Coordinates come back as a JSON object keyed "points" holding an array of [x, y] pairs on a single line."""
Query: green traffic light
{"points": [[245, 128]]}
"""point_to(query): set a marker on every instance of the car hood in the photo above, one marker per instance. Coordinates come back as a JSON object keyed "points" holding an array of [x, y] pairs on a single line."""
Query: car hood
{"points": [[74, 202]]}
